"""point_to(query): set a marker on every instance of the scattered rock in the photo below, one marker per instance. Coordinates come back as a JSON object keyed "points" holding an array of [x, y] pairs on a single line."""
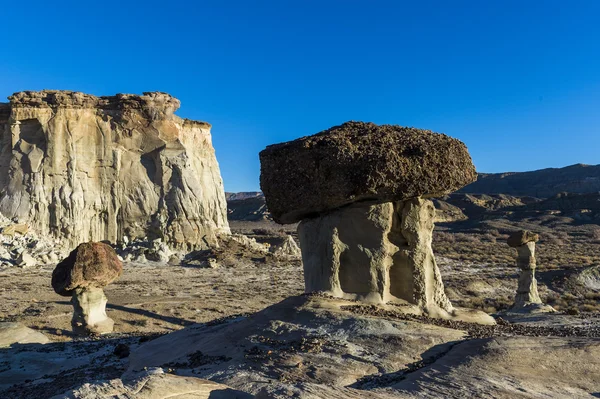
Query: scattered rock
{"points": [[26, 260]]}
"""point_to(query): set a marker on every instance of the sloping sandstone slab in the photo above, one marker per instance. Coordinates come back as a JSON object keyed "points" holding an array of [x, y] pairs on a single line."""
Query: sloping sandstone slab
{"points": [[360, 161], [17, 333]]}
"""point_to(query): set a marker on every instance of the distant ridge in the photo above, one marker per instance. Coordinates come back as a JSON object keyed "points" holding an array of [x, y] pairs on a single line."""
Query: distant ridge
{"points": [[242, 195], [543, 183]]}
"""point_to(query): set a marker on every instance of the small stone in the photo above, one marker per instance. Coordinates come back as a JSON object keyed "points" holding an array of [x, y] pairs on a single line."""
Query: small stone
{"points": [[121, 351], [26, 260]]}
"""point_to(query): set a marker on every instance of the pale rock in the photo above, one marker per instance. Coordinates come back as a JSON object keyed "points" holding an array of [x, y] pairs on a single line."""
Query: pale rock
{"points": [[156, 386], [89, 312], [81, 168], [15, 228], [378, 253], [249, 243], [26, 260], [17, 333]]}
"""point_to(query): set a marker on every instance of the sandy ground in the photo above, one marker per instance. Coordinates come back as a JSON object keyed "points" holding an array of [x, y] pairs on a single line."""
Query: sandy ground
{"points": [[153, 297]]}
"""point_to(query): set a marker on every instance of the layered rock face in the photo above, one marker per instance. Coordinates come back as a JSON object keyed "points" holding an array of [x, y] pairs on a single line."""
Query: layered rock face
{"points": [[84, 168], [360, 191]]}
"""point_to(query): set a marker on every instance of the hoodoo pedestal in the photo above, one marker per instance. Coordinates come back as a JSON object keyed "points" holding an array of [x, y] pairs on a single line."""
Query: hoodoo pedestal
{"points": [[360, 192], [527, 296]]}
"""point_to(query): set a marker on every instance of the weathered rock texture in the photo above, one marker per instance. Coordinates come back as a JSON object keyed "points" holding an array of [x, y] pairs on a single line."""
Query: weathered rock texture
{"points": [[360, 161], [375, 253], [82, 275], [367, 226], [16, 333], [527, 293], [84, 168]]}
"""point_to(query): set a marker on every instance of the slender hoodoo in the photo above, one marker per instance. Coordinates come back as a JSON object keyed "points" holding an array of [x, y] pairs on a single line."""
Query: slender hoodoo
{"points": [[360, 192], [527, 292]]}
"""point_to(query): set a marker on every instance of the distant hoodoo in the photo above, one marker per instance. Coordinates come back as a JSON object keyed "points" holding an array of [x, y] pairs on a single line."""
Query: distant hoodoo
{"points": [[83, 168], [527, 297], [360, 191]]}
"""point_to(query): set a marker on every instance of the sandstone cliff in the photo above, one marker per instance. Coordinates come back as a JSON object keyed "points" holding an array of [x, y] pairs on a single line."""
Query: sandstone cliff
{"points": [[84, 168]]}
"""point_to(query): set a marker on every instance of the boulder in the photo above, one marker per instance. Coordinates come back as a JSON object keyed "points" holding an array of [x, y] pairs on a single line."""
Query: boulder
{"points": [[92, 264], [360, 161], [80, 168], [12, 229], [522, 237], [26, 260]]}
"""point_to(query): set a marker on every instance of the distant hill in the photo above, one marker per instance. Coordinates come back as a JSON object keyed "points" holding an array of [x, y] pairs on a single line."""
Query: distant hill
{"points": [[242, 195], [543, 183]]}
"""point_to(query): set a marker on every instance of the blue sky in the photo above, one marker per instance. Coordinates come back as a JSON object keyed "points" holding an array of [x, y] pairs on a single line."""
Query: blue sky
{"points": [[517, 81]]}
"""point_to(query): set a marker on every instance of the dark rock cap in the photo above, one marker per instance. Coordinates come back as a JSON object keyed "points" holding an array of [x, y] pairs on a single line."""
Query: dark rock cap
{"points": [[360, 161], [91, 264], [521, 237]]}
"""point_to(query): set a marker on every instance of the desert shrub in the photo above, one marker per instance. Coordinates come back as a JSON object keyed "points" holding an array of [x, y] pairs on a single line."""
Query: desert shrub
{"points": [[586, 307]]}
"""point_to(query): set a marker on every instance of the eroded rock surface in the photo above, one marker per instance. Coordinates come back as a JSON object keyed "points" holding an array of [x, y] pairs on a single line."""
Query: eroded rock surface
{"points": [[17, 333], [83, 168], [360, 161]]}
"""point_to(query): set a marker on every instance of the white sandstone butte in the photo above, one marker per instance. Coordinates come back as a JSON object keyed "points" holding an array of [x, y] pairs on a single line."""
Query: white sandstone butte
{"points": [[82, 168]]}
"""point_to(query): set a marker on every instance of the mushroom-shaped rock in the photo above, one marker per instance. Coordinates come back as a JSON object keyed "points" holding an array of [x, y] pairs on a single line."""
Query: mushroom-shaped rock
{"points": [[83, 275], [522, 237], [360, 191], [360, 161], [527, 297]]}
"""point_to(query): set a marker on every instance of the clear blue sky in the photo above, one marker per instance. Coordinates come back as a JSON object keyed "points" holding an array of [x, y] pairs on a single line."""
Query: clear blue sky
{"points": [[517, 81]]}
